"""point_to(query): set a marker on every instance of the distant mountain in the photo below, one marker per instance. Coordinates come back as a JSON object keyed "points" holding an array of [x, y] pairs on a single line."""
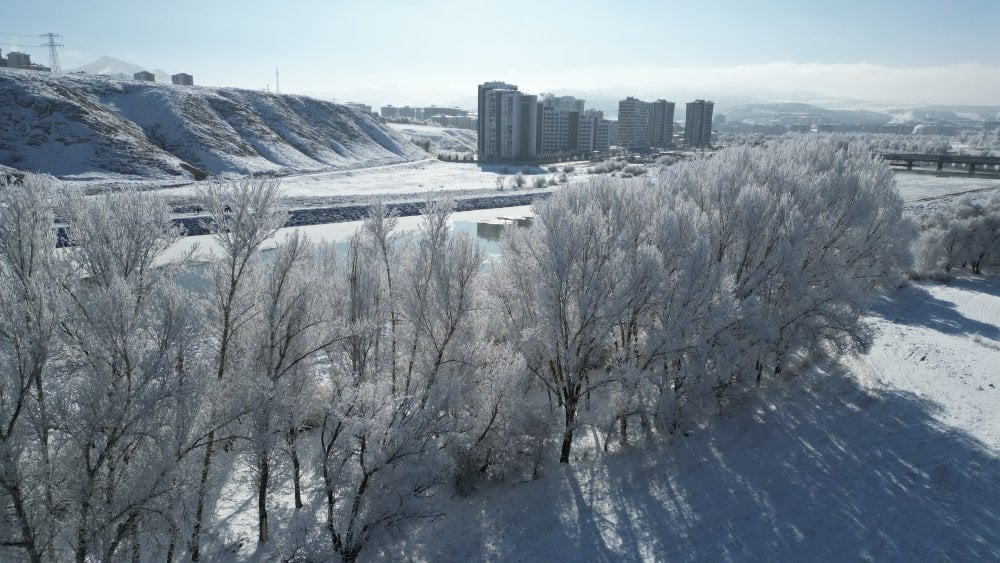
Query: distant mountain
{"points": [[110, 66], [87, 126], [765, 113]]}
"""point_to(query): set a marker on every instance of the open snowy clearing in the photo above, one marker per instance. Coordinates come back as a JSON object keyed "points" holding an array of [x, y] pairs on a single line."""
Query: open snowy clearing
{"points": [[915, 186], [443, 138], [421, 177], [898, 462]]}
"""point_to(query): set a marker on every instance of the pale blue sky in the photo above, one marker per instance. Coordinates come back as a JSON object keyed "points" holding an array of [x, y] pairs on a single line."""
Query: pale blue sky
{"points": [[934, 51]]}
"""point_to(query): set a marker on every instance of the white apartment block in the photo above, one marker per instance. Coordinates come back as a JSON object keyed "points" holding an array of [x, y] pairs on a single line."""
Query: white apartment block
{"points": [[698, 123], [558, 118], [593, 132], [634, 118], [483, 90], [509, 123]]}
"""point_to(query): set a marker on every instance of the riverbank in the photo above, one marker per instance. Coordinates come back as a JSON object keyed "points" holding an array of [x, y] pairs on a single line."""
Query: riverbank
{"points": [[198, 224]]}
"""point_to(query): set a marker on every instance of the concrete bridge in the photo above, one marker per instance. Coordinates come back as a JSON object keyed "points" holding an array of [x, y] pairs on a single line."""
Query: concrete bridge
{"points": [[940, 159]]}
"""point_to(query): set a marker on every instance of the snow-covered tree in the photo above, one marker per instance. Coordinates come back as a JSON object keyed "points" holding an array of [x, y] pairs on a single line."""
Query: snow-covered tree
{"points": [[31, 308], [125, 332], [243, 215]]}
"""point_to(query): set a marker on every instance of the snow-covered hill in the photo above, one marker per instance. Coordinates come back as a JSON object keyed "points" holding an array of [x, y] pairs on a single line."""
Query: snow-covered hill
{"points": [[441, 138], [89, 127]]}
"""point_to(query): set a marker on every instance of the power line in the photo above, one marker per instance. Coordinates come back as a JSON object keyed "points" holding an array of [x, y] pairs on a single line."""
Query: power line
{"points": [[53, 53], [18, 35]]}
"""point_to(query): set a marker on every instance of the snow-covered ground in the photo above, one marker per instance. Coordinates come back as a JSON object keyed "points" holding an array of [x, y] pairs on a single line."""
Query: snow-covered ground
{"points": [[915, 186], [408, 179], [204, 247], [443, 138], [892, 456]]}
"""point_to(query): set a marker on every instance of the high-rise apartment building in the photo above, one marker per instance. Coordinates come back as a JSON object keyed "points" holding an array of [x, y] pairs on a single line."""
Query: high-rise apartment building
{"points": [[558, 120], [634, 116], [484, 89], [593, 132], [642, 125], [18, 60], [698, 123], [585, 131], [182, 79], [662, 124], [508, 123]]}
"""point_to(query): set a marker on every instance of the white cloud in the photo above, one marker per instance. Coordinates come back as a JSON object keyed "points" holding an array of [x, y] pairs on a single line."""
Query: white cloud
{"points": [[966, 83]]}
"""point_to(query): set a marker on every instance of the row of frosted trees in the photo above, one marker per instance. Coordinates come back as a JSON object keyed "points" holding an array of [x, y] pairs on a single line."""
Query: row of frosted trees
{"points": [[963, 235], [343, 388]]}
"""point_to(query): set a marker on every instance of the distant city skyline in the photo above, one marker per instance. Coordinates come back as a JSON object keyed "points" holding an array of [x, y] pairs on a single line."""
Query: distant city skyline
{"points": [[418, 53]]}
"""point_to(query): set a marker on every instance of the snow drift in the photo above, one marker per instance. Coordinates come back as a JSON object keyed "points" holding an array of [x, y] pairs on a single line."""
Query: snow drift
{"points": [[84, 126]]}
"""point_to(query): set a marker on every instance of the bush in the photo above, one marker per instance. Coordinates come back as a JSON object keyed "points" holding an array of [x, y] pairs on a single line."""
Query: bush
{"points": [[633, 170], [425, 144]]}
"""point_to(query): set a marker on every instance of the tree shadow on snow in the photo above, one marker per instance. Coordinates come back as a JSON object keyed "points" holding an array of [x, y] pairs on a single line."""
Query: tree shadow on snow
{"points": [[835, 472], [915, 306], [988, 284]]}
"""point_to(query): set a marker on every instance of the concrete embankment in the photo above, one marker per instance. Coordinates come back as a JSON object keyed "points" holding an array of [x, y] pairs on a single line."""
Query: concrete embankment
{"points": [[199, 225], [196, 224]]}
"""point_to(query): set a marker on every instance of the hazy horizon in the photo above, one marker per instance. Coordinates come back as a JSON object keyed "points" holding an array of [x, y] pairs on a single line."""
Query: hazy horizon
{"points": [[422, 52]]}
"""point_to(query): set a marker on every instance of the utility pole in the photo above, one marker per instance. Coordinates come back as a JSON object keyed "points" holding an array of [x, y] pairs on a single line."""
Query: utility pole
{"points": [[53, 54], [277, 85]]}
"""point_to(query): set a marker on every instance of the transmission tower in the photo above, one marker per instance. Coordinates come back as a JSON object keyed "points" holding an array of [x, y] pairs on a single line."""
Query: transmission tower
{"points": [[53, 54]]}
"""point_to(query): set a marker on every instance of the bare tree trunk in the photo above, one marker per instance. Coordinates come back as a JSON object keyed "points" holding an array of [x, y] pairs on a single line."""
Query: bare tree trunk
{"points": [[296, 467], [27, 537], [81, 532], [265, 474], [567, 443], [200, 510]]}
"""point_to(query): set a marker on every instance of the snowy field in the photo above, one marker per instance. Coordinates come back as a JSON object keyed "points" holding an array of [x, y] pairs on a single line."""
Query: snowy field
{"points": [[408, 179], [443, 138], [898, 461], [914, 186], [422, 177]]}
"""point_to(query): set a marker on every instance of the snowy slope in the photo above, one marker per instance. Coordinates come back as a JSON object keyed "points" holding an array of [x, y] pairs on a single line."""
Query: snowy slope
{"points": [[82, 126], [898, 459], [443, 138]]}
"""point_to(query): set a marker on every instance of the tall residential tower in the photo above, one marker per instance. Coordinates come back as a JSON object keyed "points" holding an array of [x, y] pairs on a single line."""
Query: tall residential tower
{"points": [[508, 123], [698, 124], [484, 89]]}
